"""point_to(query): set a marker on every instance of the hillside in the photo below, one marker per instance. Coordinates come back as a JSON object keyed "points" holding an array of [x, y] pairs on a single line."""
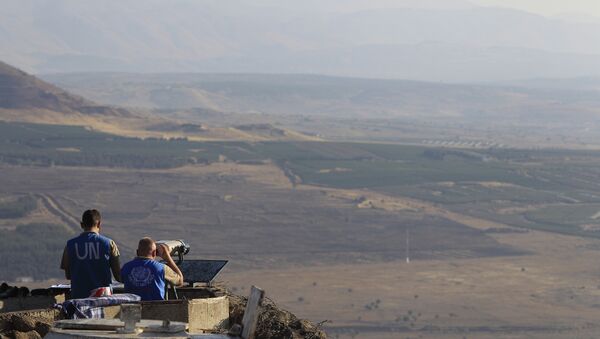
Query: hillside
{"points": [[26, 98], [21, 91]]}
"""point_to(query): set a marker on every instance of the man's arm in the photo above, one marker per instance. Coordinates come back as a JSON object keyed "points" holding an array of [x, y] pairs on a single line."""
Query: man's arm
{"points": [[64, 264], [115, 265], [172, 272]]}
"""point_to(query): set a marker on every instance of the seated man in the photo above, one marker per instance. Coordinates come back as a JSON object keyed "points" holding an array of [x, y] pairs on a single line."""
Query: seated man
{"points": [[145, 276], [89, 258]]}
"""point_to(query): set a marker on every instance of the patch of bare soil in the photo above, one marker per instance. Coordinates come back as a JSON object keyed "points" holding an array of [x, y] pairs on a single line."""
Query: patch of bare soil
{"points": [[494, 184], [518, 210], [335, 170], [369, 199]]}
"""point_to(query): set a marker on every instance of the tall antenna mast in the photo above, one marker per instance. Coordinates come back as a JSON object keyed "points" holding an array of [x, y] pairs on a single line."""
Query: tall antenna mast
{"points": [[407, 247]]}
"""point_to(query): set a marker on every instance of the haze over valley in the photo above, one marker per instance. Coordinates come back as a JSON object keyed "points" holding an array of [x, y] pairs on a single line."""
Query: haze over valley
{"points": [[449, 41], [395, 169], [527, 114]]}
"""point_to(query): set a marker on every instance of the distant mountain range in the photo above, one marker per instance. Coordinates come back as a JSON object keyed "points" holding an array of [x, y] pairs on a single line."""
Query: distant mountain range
{"points": [[458, 42], [324, 96]]}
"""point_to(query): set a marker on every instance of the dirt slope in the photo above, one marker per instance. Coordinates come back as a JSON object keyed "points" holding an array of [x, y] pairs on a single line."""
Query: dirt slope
{"points": [[19, 90]]}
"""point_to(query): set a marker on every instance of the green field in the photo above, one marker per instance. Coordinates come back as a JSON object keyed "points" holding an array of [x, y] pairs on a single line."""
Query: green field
{"points": [[579, 214], [46, 145], [563, 183]]}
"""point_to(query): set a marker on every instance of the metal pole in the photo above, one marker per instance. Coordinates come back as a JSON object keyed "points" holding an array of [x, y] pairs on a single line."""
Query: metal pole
{"points": [[407, 247]]}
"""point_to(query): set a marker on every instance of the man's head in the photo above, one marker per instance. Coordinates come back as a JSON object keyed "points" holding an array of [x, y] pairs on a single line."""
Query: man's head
{"points": [[146, 248], [91, 220]]}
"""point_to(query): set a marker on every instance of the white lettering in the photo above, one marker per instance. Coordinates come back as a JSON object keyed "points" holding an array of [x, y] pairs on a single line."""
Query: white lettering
{"points": [[79, 256], [92, 251]]}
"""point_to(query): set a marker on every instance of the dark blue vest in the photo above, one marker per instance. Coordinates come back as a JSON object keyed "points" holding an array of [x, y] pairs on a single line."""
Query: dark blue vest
{"points": [[89, 260], [144, 277]]}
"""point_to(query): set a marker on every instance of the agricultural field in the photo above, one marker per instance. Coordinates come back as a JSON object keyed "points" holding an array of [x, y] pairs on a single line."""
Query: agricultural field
{"points": [[555, 190], [46, 145], [326, 227]]}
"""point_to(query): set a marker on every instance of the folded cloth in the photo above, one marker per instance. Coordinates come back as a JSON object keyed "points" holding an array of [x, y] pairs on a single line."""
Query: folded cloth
{"points": [[94, 307]]}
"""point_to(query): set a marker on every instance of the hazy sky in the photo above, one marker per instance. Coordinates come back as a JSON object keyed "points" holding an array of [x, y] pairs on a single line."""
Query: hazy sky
{"points": [[548, 7], [543, 7], [431, 40]]}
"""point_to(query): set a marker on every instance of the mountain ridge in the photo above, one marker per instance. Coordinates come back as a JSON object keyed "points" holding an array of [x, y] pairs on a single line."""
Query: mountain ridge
{"points": [[480, 43], [27, 98], [22, 91], [318, 95]]}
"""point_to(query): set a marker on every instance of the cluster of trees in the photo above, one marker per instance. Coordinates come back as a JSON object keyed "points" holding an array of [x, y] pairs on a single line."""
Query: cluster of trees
{"points": [[441, 154], [39, 259], [48, 145], [97, 159], [18, 208]]}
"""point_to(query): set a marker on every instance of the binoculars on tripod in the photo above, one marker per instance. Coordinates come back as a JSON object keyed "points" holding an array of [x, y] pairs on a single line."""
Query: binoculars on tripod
{"points": [[178, 248]]}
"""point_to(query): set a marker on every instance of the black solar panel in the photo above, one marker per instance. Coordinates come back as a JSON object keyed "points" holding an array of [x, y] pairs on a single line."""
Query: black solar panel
{"points": [[203, 271]]}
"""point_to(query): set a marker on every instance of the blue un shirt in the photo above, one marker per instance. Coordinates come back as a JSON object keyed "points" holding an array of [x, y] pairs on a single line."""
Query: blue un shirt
{"points": [[88, 257], [144, 277]]}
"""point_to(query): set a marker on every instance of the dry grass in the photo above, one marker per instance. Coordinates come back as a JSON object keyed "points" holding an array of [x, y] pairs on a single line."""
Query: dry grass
{"points": [[551, 294], [141, 126]]}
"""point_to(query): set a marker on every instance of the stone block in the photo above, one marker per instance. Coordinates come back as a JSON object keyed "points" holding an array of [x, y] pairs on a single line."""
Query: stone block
{"points": [[205, 314]]}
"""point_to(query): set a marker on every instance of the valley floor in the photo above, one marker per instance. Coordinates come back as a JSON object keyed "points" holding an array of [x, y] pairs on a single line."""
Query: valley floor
{"points": [[323, 256], [553, 293]]}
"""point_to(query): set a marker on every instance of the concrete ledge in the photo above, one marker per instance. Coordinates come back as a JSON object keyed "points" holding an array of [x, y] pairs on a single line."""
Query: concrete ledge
{"points": [[206, 314]]}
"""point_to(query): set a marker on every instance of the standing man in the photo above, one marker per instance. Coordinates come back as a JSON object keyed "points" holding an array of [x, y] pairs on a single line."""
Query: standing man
{"points": [[89, 258], [147, 277]]}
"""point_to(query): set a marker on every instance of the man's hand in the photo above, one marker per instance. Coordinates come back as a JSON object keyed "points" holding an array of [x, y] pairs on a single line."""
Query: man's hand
{"points": [[163, 251]]}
